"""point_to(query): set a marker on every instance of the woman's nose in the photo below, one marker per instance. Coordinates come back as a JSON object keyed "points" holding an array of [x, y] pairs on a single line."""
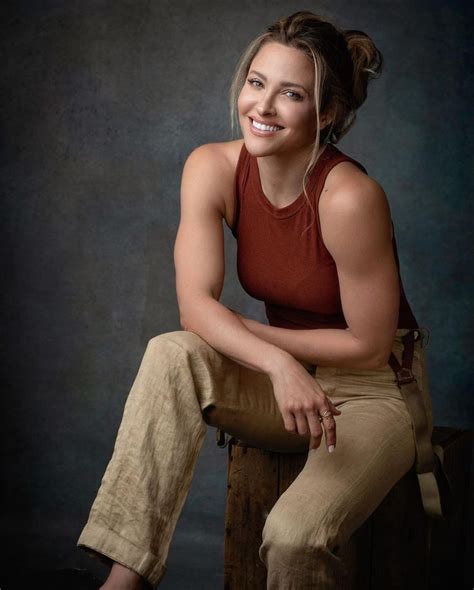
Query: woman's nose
{"points": [[265, 106]]}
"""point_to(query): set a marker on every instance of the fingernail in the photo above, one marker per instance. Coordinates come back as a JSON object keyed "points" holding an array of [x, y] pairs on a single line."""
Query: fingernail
{"points": [[331, 448]]}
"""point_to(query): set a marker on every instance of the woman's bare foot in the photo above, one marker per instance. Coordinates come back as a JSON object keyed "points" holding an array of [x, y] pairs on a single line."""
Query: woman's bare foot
{"points": [[123, 578]]}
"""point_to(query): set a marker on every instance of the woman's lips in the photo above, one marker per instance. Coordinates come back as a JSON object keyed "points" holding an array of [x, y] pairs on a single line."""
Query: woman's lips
{"points": [[261, 132]]}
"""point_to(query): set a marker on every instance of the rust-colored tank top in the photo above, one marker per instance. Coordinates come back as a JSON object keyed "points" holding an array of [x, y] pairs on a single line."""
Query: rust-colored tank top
{"points": [[291, 271]]}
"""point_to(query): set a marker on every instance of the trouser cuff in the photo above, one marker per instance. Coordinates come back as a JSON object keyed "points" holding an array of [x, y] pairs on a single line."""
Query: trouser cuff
{"points": [[108, 546]]}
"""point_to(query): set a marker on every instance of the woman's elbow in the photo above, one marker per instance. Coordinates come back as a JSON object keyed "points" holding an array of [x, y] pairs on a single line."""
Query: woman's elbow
{"points": [[184, 322], [378, 360]]}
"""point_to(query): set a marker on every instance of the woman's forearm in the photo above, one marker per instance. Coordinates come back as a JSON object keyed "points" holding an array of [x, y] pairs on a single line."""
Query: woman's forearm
{"points": [[226, 333], [325, 347]]}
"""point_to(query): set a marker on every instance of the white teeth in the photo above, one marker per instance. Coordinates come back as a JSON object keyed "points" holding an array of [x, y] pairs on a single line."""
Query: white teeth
{"points": [[265, 127]]}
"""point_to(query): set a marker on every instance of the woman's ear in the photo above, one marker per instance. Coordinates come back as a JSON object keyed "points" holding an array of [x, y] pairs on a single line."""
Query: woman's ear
{"points": [[328, 116], [325, 121]]}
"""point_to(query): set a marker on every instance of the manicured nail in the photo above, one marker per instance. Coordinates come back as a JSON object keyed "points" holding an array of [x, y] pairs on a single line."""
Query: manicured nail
{"points": [[331, 448]]}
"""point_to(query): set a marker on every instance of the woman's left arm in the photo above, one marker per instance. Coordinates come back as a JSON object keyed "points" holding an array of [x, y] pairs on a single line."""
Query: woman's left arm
{"points": [[356, 229]]}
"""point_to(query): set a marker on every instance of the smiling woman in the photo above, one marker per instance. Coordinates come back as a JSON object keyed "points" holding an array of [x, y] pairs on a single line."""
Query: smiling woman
{"points": [[316, 244], [329, 71], [265, 96]]}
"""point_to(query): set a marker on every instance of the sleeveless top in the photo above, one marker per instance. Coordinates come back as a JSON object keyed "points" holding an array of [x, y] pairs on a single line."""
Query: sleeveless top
{"points": [[290, 271]]}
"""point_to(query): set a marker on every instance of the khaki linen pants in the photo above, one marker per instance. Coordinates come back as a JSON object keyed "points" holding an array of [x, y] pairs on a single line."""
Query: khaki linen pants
{"points": [[182, 386]]}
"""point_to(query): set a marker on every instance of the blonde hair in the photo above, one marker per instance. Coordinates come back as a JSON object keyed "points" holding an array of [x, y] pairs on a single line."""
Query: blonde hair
{"points": [[344, 61]]}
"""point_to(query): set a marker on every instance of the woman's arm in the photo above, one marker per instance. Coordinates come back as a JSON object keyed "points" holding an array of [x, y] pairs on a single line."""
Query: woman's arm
{"points": [[199, 264], [356, 229]]}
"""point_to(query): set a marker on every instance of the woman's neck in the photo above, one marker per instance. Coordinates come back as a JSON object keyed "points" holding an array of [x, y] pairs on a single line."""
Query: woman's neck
{"points": [[281, 176]]}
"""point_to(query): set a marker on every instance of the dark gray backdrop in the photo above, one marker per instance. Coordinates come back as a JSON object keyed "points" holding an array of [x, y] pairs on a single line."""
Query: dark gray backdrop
{"points": [[101, 104]]}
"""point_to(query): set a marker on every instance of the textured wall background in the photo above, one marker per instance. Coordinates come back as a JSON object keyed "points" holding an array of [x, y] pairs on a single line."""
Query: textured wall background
{"points": [[101, 103]]}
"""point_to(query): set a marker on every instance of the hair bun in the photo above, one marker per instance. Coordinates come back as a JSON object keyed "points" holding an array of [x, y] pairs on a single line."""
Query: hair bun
{"points": [[367, 60]]}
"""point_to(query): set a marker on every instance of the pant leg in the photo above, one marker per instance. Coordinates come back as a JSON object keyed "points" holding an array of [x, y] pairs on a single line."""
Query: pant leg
{"points": [[182, 383], [335, 493]]}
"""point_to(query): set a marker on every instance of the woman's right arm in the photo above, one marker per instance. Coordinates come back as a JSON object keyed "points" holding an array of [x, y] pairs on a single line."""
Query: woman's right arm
{"points": [[199, 263]]}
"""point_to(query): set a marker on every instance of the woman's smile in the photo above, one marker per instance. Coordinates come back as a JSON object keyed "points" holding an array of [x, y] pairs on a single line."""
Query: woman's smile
{"points": [[263, 129]]}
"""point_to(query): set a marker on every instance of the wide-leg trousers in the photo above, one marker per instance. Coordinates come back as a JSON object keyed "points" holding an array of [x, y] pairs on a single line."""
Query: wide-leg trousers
{"points": [[182, 386]]}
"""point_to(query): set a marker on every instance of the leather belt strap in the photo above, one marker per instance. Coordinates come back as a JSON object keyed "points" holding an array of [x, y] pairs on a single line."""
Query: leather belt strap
{"points": [[435, 488]]}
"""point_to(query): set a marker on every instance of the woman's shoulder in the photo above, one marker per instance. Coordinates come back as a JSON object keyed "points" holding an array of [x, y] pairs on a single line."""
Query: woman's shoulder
{"points": [[349, 194], [219, 162], [221, 156], [346, 170], [231, 150], [347, 182]]}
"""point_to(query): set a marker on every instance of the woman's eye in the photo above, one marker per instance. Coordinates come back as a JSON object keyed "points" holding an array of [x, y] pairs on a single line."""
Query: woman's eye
{"points": [[257, 84], [295, 96]]}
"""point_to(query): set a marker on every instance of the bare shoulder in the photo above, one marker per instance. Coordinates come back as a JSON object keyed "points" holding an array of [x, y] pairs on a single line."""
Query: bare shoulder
{"points": [[212, 167], [348, 189], [222, 156], [232, 151], [354, 211]]}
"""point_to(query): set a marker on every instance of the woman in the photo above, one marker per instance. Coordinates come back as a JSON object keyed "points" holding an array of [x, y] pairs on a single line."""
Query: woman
{"points": [[315, 242]]}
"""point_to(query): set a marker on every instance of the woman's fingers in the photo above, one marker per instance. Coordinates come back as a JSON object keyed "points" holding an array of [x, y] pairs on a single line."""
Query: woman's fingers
{"points": [[327, 414], [289, 421], [329, 424], [305, 408], [301, 422], [315, 429], [333, 408], [311, 419]]}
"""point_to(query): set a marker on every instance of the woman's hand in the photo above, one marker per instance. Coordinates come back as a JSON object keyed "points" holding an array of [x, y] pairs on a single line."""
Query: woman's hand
{"points": [[302, 401], [300, 398]]}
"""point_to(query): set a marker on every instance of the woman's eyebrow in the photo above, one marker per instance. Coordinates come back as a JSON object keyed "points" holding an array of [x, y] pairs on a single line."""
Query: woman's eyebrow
{"points": [[282, 83]]}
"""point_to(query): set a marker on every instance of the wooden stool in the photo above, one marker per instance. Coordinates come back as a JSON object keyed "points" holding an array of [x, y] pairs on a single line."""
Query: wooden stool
{"points": [[390, 550]]}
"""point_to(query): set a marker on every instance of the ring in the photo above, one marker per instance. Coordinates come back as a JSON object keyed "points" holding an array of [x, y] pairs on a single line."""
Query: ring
{"points": [[327, 414]]}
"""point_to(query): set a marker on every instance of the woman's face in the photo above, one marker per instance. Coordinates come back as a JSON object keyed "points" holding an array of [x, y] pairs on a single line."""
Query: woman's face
{"points": [[278, 92]]}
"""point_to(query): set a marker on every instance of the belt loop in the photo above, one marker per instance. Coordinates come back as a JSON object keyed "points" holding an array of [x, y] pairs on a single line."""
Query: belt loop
{"points": [[222, 438], [424, 336]]}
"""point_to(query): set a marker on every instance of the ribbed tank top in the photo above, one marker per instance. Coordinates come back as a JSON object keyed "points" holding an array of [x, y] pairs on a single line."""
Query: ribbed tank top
{"points": [[290, 271]]}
